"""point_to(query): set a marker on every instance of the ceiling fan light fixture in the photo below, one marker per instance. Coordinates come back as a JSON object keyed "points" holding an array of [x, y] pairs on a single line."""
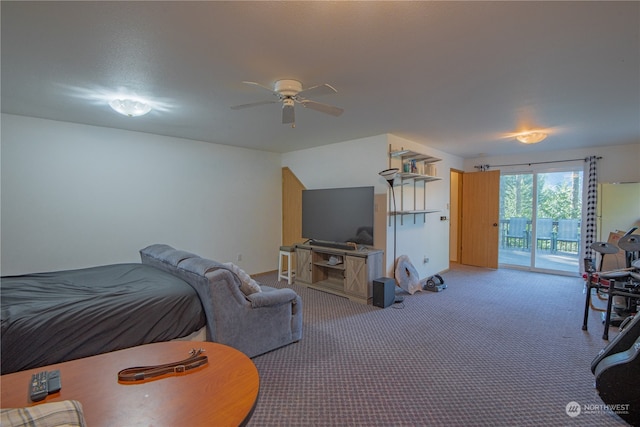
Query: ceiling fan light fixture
{"points": [[287, 88], [130, 107], [287, 103], [531, 137]]}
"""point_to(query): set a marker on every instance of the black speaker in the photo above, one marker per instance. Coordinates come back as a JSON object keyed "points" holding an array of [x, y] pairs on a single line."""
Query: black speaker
{"points": [[384, 293]]}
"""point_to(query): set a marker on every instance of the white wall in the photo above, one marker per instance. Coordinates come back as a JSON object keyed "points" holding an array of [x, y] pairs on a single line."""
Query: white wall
{"points": [[618, 208], [352, 163], [76, 196], [357, 163], [619, 163]]}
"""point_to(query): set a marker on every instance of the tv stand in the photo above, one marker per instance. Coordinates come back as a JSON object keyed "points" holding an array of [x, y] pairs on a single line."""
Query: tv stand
{"points": [[352, 277]]}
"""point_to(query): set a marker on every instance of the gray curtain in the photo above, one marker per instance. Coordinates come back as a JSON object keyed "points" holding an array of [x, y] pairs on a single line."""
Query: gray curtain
{"points": [[592, 201]]}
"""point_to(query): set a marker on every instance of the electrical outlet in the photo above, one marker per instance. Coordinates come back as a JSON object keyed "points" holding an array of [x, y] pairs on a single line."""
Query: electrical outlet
{"points": [[425, 260], [239, 258]]}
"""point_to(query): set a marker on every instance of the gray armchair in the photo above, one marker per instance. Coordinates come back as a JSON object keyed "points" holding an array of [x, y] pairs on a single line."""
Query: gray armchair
{"points": [[253, 323]]}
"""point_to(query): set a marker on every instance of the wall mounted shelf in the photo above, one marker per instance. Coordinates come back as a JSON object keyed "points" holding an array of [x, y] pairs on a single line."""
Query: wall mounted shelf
{"points": [[408, 155], [421, 162], [421, 211], [418, 177]]}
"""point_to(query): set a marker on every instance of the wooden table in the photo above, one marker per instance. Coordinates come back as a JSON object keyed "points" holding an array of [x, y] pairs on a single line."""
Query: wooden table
{"points": [[222, 393]]}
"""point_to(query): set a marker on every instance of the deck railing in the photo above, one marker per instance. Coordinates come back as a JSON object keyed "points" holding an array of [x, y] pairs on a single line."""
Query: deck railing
{"points": [[559, 239]]}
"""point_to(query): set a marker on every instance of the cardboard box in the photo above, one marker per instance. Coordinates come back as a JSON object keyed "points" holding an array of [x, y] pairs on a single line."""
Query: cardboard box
{"points": [[617, 260]]}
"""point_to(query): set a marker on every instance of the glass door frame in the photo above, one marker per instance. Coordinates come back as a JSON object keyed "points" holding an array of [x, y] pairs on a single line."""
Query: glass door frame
{"points": [[532, 228]]}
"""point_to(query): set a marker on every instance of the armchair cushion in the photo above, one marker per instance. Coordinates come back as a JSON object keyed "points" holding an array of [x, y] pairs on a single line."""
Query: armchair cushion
{"points": [[248, 286], [272, 297]]}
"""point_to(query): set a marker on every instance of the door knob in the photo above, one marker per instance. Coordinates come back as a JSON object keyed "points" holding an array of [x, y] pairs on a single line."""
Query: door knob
{"points": [[495, 224]]}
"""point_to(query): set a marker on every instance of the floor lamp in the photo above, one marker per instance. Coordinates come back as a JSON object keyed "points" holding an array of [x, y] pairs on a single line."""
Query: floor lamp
{"points": [[390, 175]]}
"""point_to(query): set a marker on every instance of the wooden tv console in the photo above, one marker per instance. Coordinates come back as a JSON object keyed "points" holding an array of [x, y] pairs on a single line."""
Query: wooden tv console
{"points": [[352, 278]]}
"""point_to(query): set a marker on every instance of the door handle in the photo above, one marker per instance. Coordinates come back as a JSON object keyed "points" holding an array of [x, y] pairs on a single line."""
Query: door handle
{"points": [[495, 224]]}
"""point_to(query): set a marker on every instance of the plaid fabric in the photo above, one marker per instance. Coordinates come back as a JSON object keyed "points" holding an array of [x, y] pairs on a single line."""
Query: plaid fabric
{"points": [[592, 201], [56, 414]]}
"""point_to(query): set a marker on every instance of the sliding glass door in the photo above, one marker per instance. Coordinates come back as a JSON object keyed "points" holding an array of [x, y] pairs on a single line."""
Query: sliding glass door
{"points": [[559, 215], [540, 215], [516, 214]]}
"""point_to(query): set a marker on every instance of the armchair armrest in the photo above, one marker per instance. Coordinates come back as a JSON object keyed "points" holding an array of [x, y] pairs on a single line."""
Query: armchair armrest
{"points": [[272, 297]]}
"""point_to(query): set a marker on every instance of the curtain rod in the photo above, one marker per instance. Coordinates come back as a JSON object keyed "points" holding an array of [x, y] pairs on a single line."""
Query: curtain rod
{"points": [[486, 167]]}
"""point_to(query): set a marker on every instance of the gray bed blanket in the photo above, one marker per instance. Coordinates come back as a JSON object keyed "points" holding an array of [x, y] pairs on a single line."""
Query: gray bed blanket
{"points": [[54, 317]]}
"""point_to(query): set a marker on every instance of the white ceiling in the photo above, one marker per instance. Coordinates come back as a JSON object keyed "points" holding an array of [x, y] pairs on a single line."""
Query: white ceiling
{"points": [[456, 76]]}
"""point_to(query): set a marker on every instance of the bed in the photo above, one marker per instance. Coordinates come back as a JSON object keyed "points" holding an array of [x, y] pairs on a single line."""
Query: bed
{"points": [[58, 316], [172, 294]]}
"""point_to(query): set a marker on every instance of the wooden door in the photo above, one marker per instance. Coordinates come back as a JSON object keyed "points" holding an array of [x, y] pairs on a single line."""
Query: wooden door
{"points": [[480, 218], [291, 208]]}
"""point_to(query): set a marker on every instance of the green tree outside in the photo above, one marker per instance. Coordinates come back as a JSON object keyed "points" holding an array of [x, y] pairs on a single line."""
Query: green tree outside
{"points": [[561, 200]]}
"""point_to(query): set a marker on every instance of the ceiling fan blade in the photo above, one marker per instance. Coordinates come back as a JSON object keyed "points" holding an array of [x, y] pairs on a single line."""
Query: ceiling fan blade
{"points": [[319, 90], [288, 114], [270, 90], [323, 108], [252, 104]]}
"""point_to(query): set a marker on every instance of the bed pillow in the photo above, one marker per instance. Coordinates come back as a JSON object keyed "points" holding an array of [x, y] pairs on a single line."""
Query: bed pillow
{"points": [[248, 286]]}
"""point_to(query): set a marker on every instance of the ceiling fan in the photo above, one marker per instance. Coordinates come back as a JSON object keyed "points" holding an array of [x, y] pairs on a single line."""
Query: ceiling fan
{"points": [[290, 92]]}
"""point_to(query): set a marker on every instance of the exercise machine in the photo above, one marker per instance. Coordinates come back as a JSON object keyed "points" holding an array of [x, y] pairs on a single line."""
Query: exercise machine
{"points": [[621, 287], [617, 370]]}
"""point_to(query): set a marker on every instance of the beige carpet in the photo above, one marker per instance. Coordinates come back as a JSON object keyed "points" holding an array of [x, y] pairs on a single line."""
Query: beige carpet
{"points": [[496, 348]]}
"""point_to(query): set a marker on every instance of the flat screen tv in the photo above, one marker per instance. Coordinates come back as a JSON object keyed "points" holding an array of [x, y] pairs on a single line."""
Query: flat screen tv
{"points": [[338, 215]]}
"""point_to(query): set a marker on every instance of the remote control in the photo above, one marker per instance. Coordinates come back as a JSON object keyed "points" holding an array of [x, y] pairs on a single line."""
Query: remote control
{"points": [[39, 386], [53, 381]]}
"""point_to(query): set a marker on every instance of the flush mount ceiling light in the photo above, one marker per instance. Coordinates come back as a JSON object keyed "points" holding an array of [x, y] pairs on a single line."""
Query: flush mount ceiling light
{"points": [[532, 134], [130, 107], [531, 137]]}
